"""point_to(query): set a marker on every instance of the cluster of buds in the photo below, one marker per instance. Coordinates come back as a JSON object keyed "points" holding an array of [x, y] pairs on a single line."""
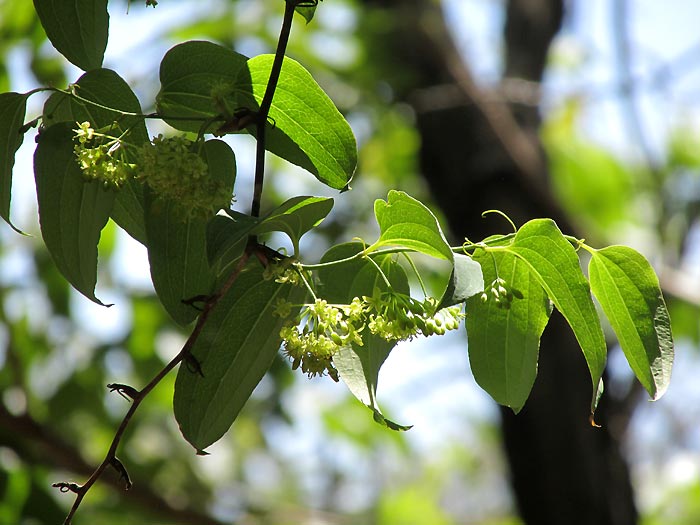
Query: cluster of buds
{"points": [[322, 329], [174, 170], [501, 293], [101, 157]]}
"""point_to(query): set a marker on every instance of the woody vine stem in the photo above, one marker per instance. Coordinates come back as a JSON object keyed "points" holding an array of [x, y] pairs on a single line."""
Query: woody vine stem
{"points": [[210, 303]]}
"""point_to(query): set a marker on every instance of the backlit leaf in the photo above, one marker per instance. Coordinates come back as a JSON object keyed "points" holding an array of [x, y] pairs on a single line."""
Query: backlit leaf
{"points": [[407, 222], [78, 29], [72, 212], [13, 107], [554, 262], [504, 342], [306, 128], [628, 290]]}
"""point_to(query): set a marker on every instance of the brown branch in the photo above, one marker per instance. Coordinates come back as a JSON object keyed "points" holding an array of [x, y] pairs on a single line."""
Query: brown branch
{"points": [[37, 443], [138, 397]]}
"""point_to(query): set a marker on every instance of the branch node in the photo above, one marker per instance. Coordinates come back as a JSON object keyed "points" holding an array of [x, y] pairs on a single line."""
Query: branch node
{"points": [[64, 486], [125, 391]]}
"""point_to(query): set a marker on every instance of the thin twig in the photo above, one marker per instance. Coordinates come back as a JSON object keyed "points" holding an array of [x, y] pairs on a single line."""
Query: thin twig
{"points": [[140, 396], [266, 103]]}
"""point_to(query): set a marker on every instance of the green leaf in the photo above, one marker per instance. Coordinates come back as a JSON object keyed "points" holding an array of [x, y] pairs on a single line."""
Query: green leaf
{"points": [[78, 29], [190, 74], [177, 248], [295, 217], [306, 129], [112, 97], [204, 81], [555, 264], [307, 12], [72, 212], [107, 88], [407, 222], [466, 279], [627, 288], [504, 343], [227, 237], [235, 349], [359, 366], [13, 107]]}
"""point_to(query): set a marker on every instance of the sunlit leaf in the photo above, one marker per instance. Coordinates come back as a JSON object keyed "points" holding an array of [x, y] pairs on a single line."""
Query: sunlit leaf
{"points": [[78, 29], [306, 128], [407, 222], [554, 262], [503, 341], [72, 212], [13, 107], [628, 290], [235, 349]]}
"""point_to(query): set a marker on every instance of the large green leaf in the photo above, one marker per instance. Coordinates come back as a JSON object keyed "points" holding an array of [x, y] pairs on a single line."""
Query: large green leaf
{"points": [[177, 248], [627, 288], [191, 74], [78, 29], [504, 342], [306, 129], [359, 366], [108, 89], [72, 212], [13, 107], [206, 81], [407, 222], [554, 262], [235, 349]]}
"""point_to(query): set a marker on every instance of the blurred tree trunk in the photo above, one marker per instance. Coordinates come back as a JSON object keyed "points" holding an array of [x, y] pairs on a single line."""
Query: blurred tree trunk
{"points": [[480, 150]]}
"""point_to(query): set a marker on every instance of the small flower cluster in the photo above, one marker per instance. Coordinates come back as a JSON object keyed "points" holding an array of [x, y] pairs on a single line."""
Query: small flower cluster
{"points": [[323, 329], [101, 157], [175, 171], [501, 293]]}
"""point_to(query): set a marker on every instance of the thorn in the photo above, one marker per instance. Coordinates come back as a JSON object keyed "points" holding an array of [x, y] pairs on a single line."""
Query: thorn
{"points": [[193, 364], [121, 469]]}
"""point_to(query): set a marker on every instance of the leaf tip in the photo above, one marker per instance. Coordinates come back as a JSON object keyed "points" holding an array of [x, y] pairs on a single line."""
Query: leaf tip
{"points": [[591, 420]]}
